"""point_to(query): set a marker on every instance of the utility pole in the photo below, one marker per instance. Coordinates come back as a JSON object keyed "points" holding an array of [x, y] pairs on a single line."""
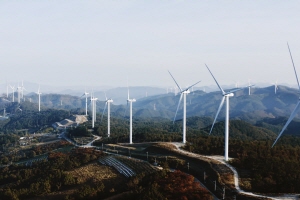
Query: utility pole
{"points": [[215, 185]]}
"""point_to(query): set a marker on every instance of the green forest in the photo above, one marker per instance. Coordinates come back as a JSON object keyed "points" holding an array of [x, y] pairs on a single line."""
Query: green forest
{"points": [[270, 169], [54, 176]]}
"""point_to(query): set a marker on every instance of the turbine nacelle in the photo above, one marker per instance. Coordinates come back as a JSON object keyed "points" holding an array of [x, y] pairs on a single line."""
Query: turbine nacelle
{"points": [[229, 95], [186, 91], [131, 100]]}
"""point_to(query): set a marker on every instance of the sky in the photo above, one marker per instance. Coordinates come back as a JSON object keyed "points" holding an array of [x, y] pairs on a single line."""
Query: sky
{"points": [[107, 43]]}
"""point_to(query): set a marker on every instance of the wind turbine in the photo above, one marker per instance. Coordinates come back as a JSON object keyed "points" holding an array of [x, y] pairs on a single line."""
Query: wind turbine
{"points": [[22, 90], [226, 96], [39, 93], [297, 106], [13, 93], [275, 87], [183, 94], [237, 84], [107, 103], [249, 88], [19, 93], [93, 102], [130, 102], [86, 101]]}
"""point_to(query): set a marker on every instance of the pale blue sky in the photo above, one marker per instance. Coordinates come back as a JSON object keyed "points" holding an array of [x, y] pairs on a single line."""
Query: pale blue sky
{"points": [[97, 43]]}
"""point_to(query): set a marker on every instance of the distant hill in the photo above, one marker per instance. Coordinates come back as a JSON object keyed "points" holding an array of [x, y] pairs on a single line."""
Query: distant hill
{"points": [[262, 104]]}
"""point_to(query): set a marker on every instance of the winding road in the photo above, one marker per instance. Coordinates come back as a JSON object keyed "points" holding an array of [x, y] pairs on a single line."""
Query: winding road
{"points": [[236, 176]]}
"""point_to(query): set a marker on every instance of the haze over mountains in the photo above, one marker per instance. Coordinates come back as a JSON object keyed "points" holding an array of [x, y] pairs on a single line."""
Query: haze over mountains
{"points": [[156, 102]]}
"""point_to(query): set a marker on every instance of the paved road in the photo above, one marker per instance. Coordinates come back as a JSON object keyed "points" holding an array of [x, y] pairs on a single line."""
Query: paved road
{"points": [[236, 176], [88, 145]]}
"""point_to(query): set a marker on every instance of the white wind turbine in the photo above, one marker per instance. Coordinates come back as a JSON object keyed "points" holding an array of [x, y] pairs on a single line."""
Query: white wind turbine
{"points": [[13, 93], [275, 87], [226, 96], [107, 103], [237, 84], [183, 94], [296, 109], [19, 93], [93, 102], [249, 88], [39, 94], [86, 101], [130, 102], [22, 90]]}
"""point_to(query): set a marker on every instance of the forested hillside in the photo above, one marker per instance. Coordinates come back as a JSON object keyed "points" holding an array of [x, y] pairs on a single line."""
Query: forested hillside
{"points": [[261, 104]]}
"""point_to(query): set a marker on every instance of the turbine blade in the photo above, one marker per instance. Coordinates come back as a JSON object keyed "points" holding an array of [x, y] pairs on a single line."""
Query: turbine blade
{"points": [[175, 81], [215, 80], [293, 66], [219, 109], [192, 86], [103, 111], [178, 107], [288, 121]]}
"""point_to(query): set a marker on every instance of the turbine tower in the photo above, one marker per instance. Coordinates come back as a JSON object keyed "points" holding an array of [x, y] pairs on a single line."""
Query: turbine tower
{"points": [[226, 96], [296, 109], [130, 102], [249, 87], [183, 94], [275, 87], [39, 93], [19, 93], [107, 103], [86, 101], [22, 90], [237, 84], [93, 102], [13, 93]]}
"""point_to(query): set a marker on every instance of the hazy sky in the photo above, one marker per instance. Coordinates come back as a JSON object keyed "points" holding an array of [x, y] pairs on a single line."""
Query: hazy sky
{"points": [[97, 43]]}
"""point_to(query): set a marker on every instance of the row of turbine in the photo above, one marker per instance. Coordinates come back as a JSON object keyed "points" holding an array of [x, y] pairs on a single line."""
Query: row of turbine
{"points": [[107, 104], [20, 92], [184, 92]]}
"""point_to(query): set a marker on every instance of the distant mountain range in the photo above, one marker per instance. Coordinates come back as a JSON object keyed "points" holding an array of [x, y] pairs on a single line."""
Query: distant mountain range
{"points": [[263, 109], [154, 102]]}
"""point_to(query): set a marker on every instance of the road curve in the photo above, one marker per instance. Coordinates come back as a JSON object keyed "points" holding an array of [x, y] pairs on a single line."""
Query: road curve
{"points": [[236, 176]]}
